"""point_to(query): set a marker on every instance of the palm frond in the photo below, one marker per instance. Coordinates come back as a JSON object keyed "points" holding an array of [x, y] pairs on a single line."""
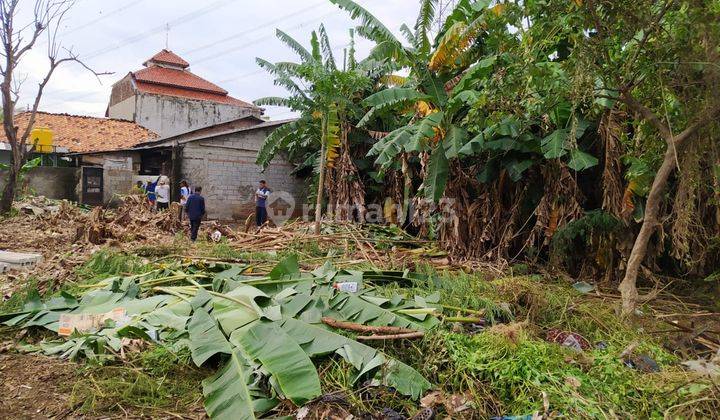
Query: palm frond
{"points": [[454, 42], [294, 45], [409, 35], [276, 141], [332, 136], [387, 99], [315, 44], [423, 24], [392, 80], [373, 29], [273, 101], [326, 48]]}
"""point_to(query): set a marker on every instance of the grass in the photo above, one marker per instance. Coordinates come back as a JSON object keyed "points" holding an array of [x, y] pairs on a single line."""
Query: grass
{"points": [[508, 369], [156, 382]]}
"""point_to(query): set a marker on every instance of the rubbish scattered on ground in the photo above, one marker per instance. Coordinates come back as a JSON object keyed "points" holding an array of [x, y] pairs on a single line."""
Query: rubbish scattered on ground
{"points": [[426, 413], [84, 323], [642, 363], [583, 287], [704, 367], [349, 287], [19, 260], [568, 339]]}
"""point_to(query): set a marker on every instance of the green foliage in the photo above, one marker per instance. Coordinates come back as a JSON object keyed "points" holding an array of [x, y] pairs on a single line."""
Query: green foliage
{"points": [[265, 329]]}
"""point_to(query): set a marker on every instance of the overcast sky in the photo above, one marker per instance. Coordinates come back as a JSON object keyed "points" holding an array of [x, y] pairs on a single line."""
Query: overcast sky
{"points": [[219, 38]]}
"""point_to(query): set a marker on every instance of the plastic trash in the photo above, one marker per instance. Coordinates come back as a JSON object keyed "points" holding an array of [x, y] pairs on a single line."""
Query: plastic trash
{"points": [[348, 287]]}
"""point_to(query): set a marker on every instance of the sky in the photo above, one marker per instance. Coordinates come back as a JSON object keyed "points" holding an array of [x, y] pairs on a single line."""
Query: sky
{"points": [[219, 38]]}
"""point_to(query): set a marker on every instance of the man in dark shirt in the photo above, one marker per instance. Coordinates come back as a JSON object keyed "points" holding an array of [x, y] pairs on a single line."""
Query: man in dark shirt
{"points": [[195, 209], [261, 196]]}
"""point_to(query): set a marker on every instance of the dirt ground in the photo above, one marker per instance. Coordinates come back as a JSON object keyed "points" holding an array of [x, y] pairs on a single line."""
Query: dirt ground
{"points": [[35, 387]]}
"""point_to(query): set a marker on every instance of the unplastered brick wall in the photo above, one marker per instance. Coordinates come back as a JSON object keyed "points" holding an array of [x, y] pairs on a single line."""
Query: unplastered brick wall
{"points": [[116, 182], [225, 167]]}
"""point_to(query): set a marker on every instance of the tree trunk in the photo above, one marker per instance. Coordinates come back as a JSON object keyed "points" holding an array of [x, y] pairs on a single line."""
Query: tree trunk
{"points": [[8, 194], [321, 181], [627, 287]]}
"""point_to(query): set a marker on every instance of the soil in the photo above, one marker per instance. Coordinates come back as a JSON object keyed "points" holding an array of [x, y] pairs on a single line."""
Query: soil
{"points": [[35, 387]]}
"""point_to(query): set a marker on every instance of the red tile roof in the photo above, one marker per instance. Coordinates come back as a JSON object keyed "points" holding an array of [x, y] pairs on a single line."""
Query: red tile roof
{"points": [[80, 133], [168, 57], [190, 94], [158, 79], [176, 78]]}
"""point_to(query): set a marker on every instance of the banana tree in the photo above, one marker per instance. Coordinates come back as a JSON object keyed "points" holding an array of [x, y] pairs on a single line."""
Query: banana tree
{"points": [[326, 102]]}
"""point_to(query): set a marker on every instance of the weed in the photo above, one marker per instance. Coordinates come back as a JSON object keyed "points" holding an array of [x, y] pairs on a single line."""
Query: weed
{"points": [[105, 263], [166, 384]]}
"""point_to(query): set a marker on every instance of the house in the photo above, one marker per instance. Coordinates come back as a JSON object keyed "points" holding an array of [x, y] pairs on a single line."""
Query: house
{"points": [[167, 98], [164, 120], [58, 176]]}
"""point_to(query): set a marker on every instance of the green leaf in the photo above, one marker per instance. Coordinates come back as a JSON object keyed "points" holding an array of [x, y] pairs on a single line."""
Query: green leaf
{"points": [[553, 146], [371, 27], [516, 168], [474, 146], [388, 98], [454, 141], [282, 357], [437, 175], [391, 145], [426, 130], [317, 341], [206, 339], [287, 267], [580, 160], [229, 394]]}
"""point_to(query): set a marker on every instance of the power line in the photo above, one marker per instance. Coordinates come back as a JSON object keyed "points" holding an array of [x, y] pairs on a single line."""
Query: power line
{"points": [[103, 17], [257, 28], [188, 17], [258, 40]]}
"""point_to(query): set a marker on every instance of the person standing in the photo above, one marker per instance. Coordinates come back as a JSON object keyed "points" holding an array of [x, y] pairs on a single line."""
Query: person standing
{"points": [[162, 192], [261, 196], [150, 192], [195, 209], [184, 194]]}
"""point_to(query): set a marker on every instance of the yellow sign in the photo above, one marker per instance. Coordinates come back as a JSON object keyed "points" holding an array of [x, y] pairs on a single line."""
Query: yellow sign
{"points": [[42, 139]]}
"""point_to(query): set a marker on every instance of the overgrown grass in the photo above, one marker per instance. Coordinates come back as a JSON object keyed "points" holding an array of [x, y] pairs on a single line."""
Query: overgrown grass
{"points": [[156, 382], [510, 369]]}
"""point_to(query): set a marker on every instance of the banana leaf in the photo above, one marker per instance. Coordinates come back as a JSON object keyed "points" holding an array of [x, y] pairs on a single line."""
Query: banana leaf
{"points": [[282, 357]]}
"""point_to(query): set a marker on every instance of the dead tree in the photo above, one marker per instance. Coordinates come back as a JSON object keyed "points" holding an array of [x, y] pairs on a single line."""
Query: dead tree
{"points": [[17, 40]]}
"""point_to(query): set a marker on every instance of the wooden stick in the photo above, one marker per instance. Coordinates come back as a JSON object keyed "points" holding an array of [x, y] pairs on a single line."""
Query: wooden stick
{"points": [[416, 334], [351, 326]]}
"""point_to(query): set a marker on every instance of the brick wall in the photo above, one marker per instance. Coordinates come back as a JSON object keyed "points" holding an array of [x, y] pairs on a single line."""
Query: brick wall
{"points": [[225, 167]]}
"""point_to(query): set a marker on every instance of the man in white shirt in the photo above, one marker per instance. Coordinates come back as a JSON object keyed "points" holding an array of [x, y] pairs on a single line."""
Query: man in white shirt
{"points": [[162, 192]]}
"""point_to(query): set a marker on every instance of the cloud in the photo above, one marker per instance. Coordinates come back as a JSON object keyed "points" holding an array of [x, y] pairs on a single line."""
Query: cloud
{"points": [[220, 38]]}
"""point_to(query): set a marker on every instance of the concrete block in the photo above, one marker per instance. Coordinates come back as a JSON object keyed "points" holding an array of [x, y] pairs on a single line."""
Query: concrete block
{"points": [[17, 260]]}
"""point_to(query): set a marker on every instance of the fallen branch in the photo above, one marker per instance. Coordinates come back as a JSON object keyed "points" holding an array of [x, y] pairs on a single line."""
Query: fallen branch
{"points": [[352, 326], [416, 334]]}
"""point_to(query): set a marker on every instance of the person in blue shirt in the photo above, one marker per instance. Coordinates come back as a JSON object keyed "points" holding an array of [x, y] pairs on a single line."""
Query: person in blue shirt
{"points": [[195, 209], [261, 196]]}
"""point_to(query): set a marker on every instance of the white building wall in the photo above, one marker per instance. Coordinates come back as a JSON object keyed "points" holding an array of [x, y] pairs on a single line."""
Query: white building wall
{"points": [[124, 110], [168, 115]]}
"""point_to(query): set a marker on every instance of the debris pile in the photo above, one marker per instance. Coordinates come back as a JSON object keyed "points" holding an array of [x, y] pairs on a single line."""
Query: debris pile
{"points": [[264, 331]]}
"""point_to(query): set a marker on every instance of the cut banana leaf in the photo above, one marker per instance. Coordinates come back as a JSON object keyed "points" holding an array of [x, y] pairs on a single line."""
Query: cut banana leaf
{"points": [[232, 394], [206, 339], [317, 341], [282, 357]]}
